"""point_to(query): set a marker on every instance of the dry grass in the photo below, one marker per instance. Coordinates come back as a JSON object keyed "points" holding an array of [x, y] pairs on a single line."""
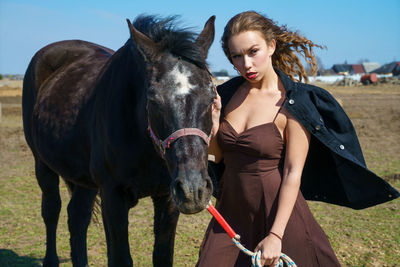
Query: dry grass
{"points": [[369, 237]]}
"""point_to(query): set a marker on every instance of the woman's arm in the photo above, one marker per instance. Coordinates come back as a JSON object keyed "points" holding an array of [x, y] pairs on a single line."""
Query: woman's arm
{"points": [[214, 151], [297, 144]]}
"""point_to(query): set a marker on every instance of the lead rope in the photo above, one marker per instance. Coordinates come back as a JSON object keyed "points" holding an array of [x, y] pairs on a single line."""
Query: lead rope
{"points": [[284, 260]]}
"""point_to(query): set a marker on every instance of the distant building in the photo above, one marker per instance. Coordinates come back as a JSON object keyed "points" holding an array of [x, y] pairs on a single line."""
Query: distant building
{"points": [[221, 75], [348, 69], [343, 69], [370, 66], [357, 69], [390, 68]]}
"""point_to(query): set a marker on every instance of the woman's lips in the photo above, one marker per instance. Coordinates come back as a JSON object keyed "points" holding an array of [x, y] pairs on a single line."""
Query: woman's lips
{"points": [[251, 75]]}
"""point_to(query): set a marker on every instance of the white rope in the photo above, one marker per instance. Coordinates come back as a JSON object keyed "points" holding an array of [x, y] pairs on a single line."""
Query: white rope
{"points": [[283, 261]]}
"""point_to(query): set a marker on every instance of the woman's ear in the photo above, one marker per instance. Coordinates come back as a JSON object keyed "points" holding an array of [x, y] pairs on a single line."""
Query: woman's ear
{"points": [[271, 47]]}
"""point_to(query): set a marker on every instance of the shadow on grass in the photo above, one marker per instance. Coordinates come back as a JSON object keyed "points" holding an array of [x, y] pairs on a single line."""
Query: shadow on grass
{"points": [[9, 258]]}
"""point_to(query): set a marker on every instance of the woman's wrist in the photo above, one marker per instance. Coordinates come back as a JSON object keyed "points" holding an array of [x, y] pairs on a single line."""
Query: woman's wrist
{"points": [[214, 129], [276, 235]]}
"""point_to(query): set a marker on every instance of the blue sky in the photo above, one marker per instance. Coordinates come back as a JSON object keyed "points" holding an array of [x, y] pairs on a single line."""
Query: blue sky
{"points": [[351, 30]]}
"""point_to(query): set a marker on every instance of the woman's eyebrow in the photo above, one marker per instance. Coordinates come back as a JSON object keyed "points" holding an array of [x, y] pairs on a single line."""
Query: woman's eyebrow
{"points": [[253, 46], [247, 49]]}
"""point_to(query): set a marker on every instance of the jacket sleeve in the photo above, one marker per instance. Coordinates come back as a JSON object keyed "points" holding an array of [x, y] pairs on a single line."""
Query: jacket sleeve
{"points": [[339, 126], [335, 170]]}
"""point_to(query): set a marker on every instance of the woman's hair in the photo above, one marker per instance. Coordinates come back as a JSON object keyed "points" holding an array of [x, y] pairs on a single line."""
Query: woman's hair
{"points": [[287, 43]]}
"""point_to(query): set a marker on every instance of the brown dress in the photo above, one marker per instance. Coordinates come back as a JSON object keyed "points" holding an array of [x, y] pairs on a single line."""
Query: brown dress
{"points": [[251, 181]]}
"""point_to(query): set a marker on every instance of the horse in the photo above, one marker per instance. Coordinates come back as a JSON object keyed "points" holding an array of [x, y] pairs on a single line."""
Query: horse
{"points": [[122, 125]]}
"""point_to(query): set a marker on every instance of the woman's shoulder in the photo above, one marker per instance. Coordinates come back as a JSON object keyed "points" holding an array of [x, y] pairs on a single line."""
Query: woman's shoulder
{"points": [[305, 94], [228, 88], [304, 91], [231, 84], [310, 89]]}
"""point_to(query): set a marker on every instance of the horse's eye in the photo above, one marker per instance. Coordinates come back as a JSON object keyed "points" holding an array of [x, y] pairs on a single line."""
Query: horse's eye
{"points": [[154, 105]]}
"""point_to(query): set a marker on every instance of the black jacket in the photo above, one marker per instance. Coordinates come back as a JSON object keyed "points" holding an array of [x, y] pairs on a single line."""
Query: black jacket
{"points": [[335, 170]]}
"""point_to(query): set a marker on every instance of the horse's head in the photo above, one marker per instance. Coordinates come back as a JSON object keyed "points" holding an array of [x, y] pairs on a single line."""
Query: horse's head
{"points": [[179, 96]]}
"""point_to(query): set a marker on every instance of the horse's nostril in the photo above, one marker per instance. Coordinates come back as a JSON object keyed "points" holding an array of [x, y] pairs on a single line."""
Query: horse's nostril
{"points": [[200, 194], [209, 185], [205, 189], [192, 189], [179, 191]]}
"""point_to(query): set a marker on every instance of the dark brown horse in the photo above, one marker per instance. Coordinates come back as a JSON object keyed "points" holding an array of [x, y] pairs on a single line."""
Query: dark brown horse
{"points": [[86, 115]]}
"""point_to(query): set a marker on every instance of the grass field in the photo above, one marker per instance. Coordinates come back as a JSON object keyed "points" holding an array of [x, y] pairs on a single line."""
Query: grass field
{"points": [[369, 237]]}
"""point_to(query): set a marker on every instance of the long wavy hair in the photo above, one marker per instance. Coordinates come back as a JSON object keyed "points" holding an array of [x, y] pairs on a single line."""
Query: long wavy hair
{"points": [[288, 44]]}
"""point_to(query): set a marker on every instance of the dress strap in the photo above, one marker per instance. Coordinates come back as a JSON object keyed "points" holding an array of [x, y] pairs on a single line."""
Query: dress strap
{"points": [[279, 110]]}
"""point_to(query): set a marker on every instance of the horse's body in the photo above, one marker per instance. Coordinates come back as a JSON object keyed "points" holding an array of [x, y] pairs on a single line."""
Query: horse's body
{"points": [[86, 111]]}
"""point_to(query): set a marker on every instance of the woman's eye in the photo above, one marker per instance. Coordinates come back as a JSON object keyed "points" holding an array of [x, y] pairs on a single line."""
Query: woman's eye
{"points": [[253, 51], [236, 56]]}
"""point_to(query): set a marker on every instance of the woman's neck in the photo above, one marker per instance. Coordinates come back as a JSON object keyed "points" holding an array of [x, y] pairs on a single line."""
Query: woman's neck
{"points": [[268, 83]]}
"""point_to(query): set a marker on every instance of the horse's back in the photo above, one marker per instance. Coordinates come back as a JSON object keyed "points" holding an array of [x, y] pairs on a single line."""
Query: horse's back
{"points": [[57, 90], [64, 55]]}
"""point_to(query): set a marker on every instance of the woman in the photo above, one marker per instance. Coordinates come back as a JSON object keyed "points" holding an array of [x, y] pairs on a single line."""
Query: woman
{"points": [[271, 134]]}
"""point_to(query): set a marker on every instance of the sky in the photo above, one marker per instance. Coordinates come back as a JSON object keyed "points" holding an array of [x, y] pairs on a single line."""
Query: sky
{"points": [[351, 30]]}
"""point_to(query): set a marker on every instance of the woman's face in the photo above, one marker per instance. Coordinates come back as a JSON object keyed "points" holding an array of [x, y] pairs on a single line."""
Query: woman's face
{"points": [[251, 55]]}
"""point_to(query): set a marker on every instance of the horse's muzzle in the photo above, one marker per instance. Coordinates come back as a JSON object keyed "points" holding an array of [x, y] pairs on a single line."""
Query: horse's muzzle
{"points": [[191, 190]]}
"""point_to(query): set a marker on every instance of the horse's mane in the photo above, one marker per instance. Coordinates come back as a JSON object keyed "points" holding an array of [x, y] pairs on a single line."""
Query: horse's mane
{"points": [[179, 42]]}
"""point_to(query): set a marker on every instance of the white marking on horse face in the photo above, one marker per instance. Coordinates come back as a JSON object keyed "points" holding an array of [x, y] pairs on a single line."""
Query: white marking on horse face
{"points": [[181, 79]]}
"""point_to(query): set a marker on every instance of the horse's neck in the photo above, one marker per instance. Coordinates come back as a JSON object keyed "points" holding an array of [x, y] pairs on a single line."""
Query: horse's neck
{"points": [[124, 76], [121, 90]]}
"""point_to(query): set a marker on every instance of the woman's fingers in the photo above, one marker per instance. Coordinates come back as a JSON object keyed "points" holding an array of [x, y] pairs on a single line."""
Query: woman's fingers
{"points": [[275, 262], [217, 103], [269, 259]]}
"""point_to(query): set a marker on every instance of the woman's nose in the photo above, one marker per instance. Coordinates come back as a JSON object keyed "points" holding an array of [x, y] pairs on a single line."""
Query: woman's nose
{"points": [[247, 62]]}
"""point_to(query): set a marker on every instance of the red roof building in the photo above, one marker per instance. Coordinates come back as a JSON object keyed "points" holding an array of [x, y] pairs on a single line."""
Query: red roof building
{"points": [[358, 69]]}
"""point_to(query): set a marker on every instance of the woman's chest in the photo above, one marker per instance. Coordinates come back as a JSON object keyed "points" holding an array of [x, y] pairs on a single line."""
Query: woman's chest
{"points": [[263, 140], [251, 111]]}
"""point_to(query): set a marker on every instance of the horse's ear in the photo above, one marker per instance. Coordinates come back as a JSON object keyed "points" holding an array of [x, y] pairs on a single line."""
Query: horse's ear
{"points": [[144, 44], [206, 37]]}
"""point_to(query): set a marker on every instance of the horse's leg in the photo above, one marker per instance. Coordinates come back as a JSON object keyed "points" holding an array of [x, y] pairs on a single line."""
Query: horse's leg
{"points": [[166, 217], [80, 210], [51, 205], [115, 217], [106, 231]]}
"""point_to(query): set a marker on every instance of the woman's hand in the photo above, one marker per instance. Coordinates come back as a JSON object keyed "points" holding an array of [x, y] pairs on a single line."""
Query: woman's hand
{"points": [[214, 151], [270, 247], [216, 113]]}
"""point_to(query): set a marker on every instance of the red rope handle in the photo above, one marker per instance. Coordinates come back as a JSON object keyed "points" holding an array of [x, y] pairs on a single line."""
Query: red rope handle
{"points": [[255, 256], [214, 212]]}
